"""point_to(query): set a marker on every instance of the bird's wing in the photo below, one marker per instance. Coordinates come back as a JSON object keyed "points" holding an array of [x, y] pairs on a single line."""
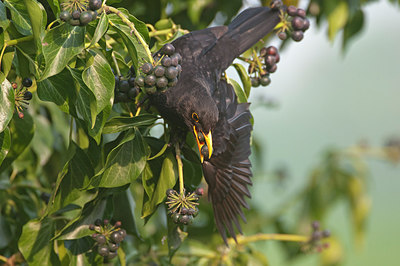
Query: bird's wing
{"points": [[243, 32], [228, 172]]}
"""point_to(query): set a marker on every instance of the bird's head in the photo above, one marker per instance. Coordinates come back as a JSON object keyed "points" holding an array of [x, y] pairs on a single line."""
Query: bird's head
{"points": [[201, 117]]}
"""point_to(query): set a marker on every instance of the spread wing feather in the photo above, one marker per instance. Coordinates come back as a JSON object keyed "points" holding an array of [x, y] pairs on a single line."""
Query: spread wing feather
{"points": [[228, 171]]}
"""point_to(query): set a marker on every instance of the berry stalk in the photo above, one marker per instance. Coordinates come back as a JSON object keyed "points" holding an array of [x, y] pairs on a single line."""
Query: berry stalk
{"points": [[133, 29]]}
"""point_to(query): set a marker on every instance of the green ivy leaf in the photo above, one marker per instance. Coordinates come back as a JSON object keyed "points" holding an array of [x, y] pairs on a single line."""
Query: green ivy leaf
{"points": [[59, 46], [166, 180], [58, 89], [124, 163], [55, 6], [244, 78], [135, 49], [72, 179], [100, 80], [353, 27], [22, 131], [175, 237], [124, 206], [38, 19], [5, 144], [77, 250], [7, 103], [101, 29], [337, 19], [241, 95], [35, 244], [4, 22], [19, 15], [118, 124], [85, 99]]}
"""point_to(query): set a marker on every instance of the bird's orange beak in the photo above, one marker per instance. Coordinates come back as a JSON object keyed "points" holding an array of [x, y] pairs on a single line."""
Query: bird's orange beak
{"points": [[207, 141]]}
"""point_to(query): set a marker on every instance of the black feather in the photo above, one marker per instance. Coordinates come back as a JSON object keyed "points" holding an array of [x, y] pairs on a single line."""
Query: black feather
{"points": [[206, 55]]}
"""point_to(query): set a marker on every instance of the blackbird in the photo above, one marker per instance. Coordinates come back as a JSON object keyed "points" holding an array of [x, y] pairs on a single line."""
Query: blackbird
{"points": [[204, 103]]}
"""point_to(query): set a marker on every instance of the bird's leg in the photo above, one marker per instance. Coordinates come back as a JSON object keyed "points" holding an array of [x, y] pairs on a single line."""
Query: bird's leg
{"points": [[140, 103], [180, 168]]}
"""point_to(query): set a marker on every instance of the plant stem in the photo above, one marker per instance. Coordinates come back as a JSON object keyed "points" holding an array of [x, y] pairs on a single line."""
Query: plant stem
{"points": [[242, 240], [2, 258], [258, 62], [13, 42], [133, 29], [180, 168]]}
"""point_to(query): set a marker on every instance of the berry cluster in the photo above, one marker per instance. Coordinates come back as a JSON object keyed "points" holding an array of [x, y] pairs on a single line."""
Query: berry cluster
{"points": [[271, 57], [126, 89], [314, 243], [164, 73], [183, 208], [22, 95], [80, 12], [107, 237], [296, 24]]}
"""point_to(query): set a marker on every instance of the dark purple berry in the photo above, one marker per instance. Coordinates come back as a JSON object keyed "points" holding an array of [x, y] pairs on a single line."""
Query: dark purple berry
{"points": [[65, 15], [173, 82], [199, 191], [292, 11], [273, 69], [270, 60], [255, 82], [101, 239], [169, 192], [139, 81], [162, 82], [85, 18], [179, 67], [326, 233], [147, 68], [116, 237], [301, 13], [175, 217], [112, 255], [306, 24], [276, 4], [120, 97], [297, 35], [97, 222], [133, 92], [171, 72], [185, 219], [272, 50], [297, 23], [131, 81], [166, 61], [317, 235], [315, 225], [282, 35], [184, 210], [265, 80], [133, 70], [27, 96], [277, 58], [124, 86], [150, 90], [168, 49], [93, 14], [76, 14], [263, 52], [116, 80], [91, 226], [103, 251], [159, 71], [205, 151], [175, 59], [117, 224], [122, 233], [150, 80], [113, 247], [74, 22], [95, 4]]}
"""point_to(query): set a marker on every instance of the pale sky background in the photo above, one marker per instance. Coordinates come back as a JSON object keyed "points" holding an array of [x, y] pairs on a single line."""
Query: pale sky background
{"points": [[330, 99]]}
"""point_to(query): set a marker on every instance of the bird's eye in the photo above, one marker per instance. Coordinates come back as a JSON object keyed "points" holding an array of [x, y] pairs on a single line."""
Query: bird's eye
{"points": [[195, 117]]}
